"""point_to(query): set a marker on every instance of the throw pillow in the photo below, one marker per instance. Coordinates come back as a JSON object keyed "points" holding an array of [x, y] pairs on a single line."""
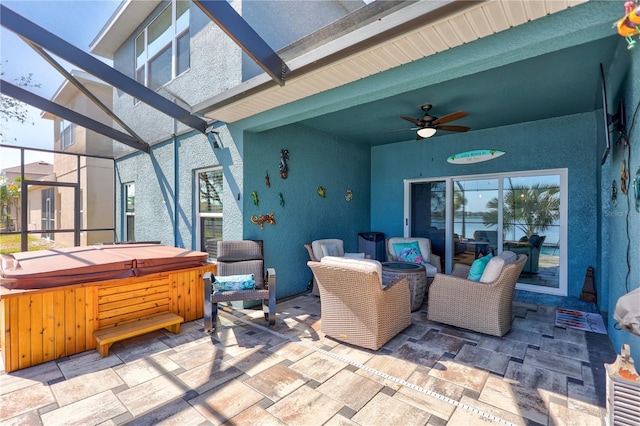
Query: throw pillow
{"points": [[329, 250], [478, 266], [408, 252], [234, 282]]}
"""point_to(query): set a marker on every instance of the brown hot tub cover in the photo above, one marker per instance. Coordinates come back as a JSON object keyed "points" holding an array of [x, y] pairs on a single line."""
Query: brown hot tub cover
{"points": [[74, 265]]}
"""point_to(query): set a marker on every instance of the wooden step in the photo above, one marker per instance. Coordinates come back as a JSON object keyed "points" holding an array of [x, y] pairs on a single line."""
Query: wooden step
{"points": [[105, 338]]}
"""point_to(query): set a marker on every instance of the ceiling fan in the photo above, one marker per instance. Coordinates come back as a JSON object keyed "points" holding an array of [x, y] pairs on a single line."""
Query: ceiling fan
{"points": [[427, 125]]}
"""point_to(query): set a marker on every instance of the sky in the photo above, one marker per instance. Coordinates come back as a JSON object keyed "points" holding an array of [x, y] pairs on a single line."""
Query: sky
{"points": [[76, 21]]}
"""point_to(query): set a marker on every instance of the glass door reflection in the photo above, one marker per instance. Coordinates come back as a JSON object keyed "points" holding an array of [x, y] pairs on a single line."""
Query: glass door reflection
{"points": [[531, 211], [475, 219]]}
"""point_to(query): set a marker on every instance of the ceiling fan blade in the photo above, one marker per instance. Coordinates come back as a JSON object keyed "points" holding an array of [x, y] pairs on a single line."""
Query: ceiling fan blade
{"points": [[401, 130], [454, 128], [411, 120], [450, 117]]}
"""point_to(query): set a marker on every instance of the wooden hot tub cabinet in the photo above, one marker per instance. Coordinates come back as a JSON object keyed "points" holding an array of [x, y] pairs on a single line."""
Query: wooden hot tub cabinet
{"points": [[40, 325]]}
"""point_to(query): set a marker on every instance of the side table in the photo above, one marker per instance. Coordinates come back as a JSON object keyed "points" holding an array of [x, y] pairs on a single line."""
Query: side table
{"points": [[415, 274]]}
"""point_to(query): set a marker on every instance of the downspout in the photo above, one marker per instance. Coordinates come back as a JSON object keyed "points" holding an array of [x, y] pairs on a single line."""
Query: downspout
{"points": [[24, 236], [76, 201], [116, 225], [176, 190]]}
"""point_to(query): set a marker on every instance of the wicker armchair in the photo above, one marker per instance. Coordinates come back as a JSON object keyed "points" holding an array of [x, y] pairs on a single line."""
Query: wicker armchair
{"points": [[234, 258], [485, 308], [354, 307], [317, 252], [433, 262]]}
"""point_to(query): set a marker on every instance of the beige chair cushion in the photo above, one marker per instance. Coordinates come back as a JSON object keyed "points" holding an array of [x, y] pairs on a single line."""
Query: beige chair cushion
{"points": [[361, 265], [495, 265], [333, 246], [431, 270]]}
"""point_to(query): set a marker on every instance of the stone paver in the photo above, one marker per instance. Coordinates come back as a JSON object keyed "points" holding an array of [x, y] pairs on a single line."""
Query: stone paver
{"points": [[429, 374], [384, 410], [350, 389], [305, 406], [80, 387], [276, 382], [89, 411]]}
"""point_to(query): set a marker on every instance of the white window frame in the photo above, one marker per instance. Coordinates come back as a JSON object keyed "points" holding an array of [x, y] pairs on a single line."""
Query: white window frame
{"points": [[126, 213], [198, 214], [67, 134], [562, 290], [147, 56]]}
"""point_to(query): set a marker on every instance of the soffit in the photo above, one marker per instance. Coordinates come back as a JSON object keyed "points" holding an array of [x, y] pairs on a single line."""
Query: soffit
{"points": [[472, 23], [121, 25]]}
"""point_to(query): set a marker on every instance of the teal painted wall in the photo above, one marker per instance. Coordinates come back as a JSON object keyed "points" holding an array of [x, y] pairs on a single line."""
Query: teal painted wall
{"points": [[621, 222], [565, 142], [315, 159]]}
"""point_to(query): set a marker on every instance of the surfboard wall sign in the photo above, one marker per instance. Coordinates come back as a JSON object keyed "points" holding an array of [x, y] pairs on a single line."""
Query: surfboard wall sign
{"points": [[476, 156]]}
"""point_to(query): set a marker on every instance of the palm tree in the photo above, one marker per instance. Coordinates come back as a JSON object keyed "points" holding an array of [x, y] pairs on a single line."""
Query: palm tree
{"points": [[9, 197], [459, 203], [531, 209]]}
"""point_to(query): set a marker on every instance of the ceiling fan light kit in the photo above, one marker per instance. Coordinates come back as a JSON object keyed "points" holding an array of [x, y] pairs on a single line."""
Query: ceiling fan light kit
{"points": [[426, 132], [428, 125]]}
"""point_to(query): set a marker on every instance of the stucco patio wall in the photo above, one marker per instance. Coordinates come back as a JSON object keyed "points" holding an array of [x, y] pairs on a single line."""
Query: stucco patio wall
{"points": [[315, 159], [564, 142], [621, 222]]}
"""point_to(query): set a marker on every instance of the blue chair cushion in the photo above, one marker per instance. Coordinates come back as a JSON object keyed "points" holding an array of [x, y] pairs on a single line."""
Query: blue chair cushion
{"points": [[234, 282], [478, 266]]}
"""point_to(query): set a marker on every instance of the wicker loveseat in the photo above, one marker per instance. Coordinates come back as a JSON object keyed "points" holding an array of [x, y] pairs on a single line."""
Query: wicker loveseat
{"points": [[355, 308], [473, 305]]}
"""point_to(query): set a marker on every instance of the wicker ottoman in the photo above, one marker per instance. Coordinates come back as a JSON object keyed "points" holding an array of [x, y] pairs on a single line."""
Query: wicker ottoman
{"points": [[415, 274]]}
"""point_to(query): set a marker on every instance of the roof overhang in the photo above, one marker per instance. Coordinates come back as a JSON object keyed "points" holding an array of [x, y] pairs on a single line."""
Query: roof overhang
{"points": [[413, 32], [124, 21]]}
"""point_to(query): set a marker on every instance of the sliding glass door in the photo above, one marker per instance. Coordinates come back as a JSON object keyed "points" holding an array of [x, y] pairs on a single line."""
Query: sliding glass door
{"points": [[428, 213], [531, 222], [474, 236], [467, 217]]}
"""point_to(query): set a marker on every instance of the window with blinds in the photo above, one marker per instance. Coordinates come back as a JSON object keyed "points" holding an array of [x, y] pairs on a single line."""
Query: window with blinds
{"points": [[209, 193]]}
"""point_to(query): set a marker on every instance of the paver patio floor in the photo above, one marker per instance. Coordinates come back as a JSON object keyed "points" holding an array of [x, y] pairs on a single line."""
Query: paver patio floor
{"points": [[292, 374]]}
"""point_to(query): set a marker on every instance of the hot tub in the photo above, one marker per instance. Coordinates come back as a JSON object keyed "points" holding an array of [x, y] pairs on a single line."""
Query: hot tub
{"points": [[51, 301]]}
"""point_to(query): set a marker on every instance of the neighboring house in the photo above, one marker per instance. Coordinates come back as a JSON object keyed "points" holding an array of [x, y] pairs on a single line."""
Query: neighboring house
{"points": [[350, 83], [92, 168], [38, 216]]}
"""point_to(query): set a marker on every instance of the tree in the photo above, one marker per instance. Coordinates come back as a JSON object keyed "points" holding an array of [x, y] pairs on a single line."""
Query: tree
{"points": [[9, 197], [13, 109], [459, 203], [531, 209]]}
